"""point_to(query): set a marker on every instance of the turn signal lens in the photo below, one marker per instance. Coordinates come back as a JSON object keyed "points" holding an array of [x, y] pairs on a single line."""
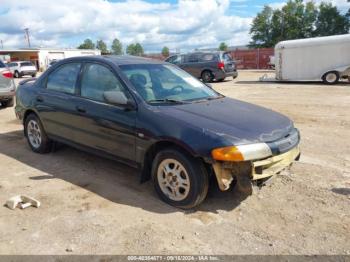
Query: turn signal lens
{"points": [[230, 153]]}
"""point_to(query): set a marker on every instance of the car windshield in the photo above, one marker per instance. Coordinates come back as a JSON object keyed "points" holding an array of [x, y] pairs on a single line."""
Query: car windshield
{"points": [[158, 83]]}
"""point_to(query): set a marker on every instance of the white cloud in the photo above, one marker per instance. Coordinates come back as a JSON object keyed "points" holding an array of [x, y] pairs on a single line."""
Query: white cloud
{"points": [[186, 25]]}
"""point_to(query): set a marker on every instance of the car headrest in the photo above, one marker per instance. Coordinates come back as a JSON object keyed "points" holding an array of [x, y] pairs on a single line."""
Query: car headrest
{"points": [[138, 79]]}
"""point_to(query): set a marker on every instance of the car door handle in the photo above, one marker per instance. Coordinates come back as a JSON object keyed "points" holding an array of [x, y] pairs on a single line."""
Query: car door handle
{"points": [[80, 109], [39, 99]]}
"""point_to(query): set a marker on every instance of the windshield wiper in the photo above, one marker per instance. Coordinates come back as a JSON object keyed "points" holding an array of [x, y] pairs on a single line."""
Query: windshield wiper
{"points": [[166, 100]]}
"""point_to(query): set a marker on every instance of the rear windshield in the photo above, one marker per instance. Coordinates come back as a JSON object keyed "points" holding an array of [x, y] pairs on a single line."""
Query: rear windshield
{"points": [[26, 64], [2, 65], [227, 57]]}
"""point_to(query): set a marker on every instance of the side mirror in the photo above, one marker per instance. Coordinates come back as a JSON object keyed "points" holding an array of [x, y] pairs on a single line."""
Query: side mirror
{"points": [[118, 98]]}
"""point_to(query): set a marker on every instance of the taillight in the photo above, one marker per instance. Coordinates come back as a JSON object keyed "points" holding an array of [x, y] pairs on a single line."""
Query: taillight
{"points": [[7, 74], [221, 65]]}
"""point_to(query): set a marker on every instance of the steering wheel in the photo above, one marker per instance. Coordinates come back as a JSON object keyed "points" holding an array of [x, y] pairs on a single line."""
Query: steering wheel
{"points": [[177, 89]]}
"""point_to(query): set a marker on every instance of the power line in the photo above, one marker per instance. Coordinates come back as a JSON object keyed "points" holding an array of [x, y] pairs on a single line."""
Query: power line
{"points": [[26, 31]]}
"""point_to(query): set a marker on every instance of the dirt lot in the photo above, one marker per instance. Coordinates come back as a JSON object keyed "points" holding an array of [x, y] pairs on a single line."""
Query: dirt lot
{"points": [[95, 206]]}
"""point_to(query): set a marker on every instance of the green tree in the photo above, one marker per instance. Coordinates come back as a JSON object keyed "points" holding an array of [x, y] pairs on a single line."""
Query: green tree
{"points": [[223, 46], [117, 47], [165, 51], [297, 19], [330, 21], [87, 44], [135, 49], [261, 28], [102, 46]]}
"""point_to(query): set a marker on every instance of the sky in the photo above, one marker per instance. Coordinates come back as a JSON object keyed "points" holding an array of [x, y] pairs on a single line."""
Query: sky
{"points": [[181, 25]]}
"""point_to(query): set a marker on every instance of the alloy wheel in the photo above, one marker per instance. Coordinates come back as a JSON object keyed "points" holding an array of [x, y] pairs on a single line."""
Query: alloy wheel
{"points": [[173, 179], [34, 133]]}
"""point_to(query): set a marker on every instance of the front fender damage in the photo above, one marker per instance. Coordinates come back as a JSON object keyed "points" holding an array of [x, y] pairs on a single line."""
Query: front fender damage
{"points": [[244, 173]]}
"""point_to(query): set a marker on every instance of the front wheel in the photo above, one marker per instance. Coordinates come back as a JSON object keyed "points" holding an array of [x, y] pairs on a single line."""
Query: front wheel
{"points": [[36, 136], [331, 78], [179, 179], [16, 74]]}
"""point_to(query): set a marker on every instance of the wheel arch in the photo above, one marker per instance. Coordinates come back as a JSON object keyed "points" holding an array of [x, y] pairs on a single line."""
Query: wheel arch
{"points": [[157, 147], [27, 113]]}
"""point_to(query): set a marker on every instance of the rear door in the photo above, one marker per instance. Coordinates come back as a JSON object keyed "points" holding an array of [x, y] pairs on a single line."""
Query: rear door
{"points": [[228, 62], [55, 102], [103, 126]]}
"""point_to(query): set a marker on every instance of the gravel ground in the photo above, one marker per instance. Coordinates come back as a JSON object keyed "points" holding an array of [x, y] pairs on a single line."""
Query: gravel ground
{"points": [[95, 206]]}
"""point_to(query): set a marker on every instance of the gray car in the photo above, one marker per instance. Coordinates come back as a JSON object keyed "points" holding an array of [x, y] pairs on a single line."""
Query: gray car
{"points": [[7, 86], [207, 66]]}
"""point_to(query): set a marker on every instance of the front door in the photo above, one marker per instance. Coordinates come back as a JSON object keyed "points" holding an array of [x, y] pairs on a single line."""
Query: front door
{"points": [[103, 126]]}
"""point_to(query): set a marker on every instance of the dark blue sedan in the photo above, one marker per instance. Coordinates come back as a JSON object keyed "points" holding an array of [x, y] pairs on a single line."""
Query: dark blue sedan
{"points": [[156, 117]]}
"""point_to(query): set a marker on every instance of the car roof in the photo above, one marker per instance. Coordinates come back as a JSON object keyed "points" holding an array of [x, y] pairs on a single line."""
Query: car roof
{"points": [[117, 60]]}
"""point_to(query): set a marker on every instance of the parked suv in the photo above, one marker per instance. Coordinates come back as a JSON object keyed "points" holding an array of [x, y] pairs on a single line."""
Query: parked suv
{"points": [[206, 65], [7, 86], [22, 68]]}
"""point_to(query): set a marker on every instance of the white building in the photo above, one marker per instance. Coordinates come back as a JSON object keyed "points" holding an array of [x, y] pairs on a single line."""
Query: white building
{"points": [[41, 57]]}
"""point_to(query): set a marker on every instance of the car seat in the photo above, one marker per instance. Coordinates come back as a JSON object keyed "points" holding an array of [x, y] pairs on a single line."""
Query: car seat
{"points": [[139, 81]]}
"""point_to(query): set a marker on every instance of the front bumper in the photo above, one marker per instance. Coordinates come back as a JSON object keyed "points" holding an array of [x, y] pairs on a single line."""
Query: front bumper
{"points": [[226, 172]]}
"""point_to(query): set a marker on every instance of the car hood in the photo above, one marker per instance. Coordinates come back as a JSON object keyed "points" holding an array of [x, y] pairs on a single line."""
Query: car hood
{"points": [[237, 121]]}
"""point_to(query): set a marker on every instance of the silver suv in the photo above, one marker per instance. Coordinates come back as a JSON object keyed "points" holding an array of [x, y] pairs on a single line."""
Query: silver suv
{"points": [[7, 86], [22, 68]]}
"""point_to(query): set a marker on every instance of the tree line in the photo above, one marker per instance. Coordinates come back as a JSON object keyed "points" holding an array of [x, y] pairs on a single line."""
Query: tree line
{"points": [[116, 48], [297, 19]]}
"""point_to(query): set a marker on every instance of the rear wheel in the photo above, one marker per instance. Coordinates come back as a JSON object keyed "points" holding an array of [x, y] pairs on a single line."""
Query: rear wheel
{"points": [[16, 74], [36, 136], [179, 179], [207, 76], [331, 78]]}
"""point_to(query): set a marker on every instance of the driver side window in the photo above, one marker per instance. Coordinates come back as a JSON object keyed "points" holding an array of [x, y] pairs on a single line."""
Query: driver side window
{"points": [[98, 79]]}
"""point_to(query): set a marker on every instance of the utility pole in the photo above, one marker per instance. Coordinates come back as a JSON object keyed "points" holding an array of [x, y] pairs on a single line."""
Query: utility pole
{"points": [[26, 31]]}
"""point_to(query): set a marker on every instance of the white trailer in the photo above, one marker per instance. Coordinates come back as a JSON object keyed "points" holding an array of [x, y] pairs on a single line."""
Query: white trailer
{"points": [[320, 58]]}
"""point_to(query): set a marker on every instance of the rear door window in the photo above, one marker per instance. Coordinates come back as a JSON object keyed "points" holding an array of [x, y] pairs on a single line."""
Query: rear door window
{"points": [[193, 58], [64, 78], [98, 79], [208, 57]]}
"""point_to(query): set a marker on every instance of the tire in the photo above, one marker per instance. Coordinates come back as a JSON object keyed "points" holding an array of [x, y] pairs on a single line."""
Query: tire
{"points": [[331, 78], [207, 76], [193, 175], [8, 103], [16, 74], [33, 75], [34, 131]]}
